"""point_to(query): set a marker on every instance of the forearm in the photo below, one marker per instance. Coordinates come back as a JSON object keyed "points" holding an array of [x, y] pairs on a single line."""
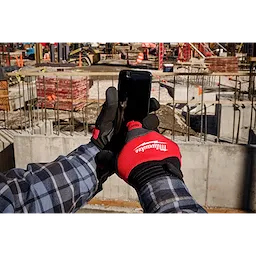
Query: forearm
{"points": [[63, 185], [167, 195]]}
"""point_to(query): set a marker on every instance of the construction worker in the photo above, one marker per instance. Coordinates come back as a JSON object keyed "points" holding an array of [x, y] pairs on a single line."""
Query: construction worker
{"points": [[148, 161]]}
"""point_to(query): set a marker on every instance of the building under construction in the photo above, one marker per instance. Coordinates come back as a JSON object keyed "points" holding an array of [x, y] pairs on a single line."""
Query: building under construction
{"points": [[163, 50], [51, 94]]}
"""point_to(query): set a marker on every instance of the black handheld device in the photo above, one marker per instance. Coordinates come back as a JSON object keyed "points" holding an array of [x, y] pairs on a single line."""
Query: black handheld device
{"points": [[134, 89]]}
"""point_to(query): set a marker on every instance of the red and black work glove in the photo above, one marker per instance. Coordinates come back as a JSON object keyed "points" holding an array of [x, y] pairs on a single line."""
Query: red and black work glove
{"points": [[104, 130], [106, 121], [147, 155], [106, 158]]}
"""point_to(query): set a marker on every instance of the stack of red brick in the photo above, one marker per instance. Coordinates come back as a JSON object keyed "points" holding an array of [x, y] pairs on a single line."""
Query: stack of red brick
{"points": [[222, 64], [63, 93]]}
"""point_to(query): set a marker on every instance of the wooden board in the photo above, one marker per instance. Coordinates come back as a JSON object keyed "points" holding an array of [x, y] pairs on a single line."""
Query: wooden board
{"points": [[4, 96]]}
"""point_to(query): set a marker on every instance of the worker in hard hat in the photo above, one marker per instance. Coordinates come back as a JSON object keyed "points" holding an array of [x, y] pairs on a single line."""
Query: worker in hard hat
{"points": [[148, 161]]}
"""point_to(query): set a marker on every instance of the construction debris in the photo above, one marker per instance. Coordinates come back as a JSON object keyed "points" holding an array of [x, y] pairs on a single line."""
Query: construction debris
{"points": [[172, 122]]}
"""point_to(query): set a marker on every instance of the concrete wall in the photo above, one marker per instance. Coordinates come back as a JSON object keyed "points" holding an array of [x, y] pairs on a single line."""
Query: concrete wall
{"points": [[217, 175]]}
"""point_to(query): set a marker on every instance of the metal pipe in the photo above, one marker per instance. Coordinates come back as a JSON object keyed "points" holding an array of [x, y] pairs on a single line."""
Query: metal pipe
{"points": [[37, 53], [205, 122], [252, 106], [202, 105], [238, 128], [174, 105], [58, 107], [45, 112], [234, 113], [188, 123], [20, 108], [218, 114], [72, 117], [188, 114]]}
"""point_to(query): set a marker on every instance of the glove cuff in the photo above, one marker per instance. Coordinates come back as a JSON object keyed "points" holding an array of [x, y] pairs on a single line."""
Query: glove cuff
{"points": [[105, 161], [144, 172]]}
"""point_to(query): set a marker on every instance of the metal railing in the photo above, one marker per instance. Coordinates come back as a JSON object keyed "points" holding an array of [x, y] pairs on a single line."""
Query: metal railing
{"points": [[35, 105]]}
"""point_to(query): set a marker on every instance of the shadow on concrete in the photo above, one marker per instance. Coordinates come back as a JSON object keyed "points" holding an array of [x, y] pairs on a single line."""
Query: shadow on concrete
{"points": [[210, 123], [252, 137], [7, 161], [249, 178]]}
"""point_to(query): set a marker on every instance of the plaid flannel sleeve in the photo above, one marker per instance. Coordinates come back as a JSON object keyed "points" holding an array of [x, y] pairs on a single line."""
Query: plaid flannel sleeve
{"points": [[61, 186], [167, 195]]}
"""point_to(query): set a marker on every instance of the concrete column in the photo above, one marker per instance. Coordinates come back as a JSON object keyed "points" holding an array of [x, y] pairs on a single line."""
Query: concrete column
{"points": [[37, 53], [52, 51], [60, 53]]}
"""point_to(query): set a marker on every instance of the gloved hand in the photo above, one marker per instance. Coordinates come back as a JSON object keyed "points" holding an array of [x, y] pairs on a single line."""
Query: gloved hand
{"points": [[106, 121], [147, 155], [104, 130], [107, 138], [151, 163]]}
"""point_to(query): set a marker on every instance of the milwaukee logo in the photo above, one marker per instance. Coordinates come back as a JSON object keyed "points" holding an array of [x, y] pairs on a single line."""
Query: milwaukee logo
{"points": [[155, 144]]}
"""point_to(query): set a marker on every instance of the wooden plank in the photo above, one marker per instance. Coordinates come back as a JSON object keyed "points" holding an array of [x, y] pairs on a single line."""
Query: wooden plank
{"points": [[135, 204], [252, 59], [100, 74], [4, 99]]}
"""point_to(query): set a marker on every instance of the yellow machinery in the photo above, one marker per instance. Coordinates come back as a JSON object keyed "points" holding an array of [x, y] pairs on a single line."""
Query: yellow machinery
{"points": [[89, 55]]}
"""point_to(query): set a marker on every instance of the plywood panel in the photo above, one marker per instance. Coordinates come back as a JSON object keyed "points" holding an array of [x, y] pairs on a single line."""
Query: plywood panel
{"points": [[4, 96]]}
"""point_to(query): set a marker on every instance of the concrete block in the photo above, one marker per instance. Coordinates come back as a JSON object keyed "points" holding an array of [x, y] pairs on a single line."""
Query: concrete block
{"points": [[23, 150], [226, 176], [194, 168], [41, 154]]}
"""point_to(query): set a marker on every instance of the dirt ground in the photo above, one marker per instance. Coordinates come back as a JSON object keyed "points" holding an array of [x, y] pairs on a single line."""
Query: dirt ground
{"points": [[17, 120]]}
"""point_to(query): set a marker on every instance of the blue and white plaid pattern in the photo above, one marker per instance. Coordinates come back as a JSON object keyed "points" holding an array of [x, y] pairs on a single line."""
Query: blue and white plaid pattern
{"points": [[61, 186], [167, 195], [69, 182]]}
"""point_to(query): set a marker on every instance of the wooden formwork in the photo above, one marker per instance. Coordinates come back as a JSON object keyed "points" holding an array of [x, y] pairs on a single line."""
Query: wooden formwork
{"points": [[4, 96]]}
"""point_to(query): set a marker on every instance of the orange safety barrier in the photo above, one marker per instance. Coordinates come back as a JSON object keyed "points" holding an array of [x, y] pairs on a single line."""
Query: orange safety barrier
{"points": [[200, 90], [80, 59], [140, 58], [19, 61]]}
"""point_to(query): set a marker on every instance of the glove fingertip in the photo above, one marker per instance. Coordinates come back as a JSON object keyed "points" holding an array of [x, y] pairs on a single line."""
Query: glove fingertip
{"points": [[112, 96], [150, 122], [154, 105], [104, 157]]}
